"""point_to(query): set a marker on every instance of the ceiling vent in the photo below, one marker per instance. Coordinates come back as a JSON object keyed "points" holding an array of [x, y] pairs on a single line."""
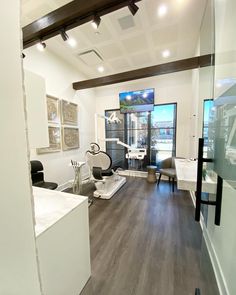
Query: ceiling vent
{"points": [[91, 57], [126, 22]]}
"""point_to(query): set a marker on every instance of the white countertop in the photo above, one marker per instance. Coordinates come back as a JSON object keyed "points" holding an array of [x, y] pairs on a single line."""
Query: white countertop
{"points": [[186, 171], [50, 206]]}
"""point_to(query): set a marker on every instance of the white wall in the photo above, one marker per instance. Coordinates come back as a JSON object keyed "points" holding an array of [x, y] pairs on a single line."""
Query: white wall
{"points": [[195, 119], [169, 88], [18, 262], [36, 107], [59, 76]]}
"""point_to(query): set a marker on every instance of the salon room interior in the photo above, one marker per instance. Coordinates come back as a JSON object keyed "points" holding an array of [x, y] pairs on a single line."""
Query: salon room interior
{"points": [[118, 157]]}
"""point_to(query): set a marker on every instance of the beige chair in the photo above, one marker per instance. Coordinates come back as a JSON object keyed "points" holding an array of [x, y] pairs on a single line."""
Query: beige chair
{"points": [[168, 169]]}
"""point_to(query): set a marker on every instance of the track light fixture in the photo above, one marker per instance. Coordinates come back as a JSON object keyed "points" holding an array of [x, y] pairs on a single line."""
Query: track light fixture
{"points": [[96, 21], [41, 46], [71, 41], [133, 7], [64, 35]]}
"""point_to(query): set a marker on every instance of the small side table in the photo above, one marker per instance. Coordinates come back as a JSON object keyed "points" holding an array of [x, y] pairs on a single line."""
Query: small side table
{"points": [[151, 177]]}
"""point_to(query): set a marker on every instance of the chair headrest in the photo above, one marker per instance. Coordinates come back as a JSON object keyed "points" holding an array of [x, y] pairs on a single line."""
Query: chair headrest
{"points": [[95, 148], [100, 159], [36, 166]]}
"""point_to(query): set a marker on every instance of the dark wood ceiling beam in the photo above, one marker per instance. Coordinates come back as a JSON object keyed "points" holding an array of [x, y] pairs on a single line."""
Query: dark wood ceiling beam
{"points": [[69, 16], [167, 68]]}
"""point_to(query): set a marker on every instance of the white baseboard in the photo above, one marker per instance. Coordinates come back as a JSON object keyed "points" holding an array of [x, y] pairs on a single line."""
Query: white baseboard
{"points": [[135, 173], [221, 283], [220, 279]]}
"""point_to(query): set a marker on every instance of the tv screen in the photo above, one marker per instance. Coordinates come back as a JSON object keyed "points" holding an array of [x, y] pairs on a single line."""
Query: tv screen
{"points": [[137, 101]]}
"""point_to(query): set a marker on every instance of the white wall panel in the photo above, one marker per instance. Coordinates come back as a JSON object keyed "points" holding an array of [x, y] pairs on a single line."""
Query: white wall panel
{"points": [[18, 262], [36, 108]]}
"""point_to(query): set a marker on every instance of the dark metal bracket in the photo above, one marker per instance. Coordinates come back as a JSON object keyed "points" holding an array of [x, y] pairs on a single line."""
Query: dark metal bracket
{"points": [[219, 188]]}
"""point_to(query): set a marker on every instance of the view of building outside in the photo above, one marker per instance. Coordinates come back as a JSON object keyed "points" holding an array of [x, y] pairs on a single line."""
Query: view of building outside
{"points": [[207, 112], [163, 131], [155, 131]]}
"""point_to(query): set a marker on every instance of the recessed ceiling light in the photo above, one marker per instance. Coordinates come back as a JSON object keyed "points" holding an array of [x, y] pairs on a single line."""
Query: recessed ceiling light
{"points": [[101, 69], [72, 42], [162, 10], [41, 46], [166, 53]]}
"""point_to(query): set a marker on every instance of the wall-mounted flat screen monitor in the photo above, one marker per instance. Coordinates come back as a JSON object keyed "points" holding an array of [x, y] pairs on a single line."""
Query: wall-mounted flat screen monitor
{"points": [[137, 101]]}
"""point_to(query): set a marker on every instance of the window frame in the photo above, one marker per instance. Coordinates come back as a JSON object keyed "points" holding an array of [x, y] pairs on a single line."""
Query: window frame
{"points": [[149, 130]]}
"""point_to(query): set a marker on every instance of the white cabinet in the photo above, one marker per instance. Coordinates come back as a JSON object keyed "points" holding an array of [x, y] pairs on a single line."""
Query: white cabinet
{"points": [[62, 239], [186, 171]]}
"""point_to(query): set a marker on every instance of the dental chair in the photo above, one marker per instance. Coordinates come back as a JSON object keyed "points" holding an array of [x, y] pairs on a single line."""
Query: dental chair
{"points": [[106, 179]]}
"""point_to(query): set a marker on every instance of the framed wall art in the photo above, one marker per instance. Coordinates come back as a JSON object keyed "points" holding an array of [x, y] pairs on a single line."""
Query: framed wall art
{"points": [[70, 138], [69, 113], [53, 109], [54, 134]]}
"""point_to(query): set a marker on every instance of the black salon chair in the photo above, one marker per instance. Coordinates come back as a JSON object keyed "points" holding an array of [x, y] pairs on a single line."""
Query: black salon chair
{"points": [[37, 176]]}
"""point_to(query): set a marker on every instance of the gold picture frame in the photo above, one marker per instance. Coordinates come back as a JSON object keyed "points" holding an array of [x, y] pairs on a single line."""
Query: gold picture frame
{"points": [[53, 109], [54, 134], [70, 138], [69, 113]]}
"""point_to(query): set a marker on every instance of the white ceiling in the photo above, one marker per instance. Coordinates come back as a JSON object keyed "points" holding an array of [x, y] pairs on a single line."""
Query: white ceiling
{"points": [[125, 42]]}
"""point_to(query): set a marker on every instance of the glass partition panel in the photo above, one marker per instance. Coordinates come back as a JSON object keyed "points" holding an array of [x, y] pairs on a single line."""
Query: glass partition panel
{"points": [[225, 136], [118, 157], [137, 138], [137, 120], [219, 243], [115, 126], [116, 130]]}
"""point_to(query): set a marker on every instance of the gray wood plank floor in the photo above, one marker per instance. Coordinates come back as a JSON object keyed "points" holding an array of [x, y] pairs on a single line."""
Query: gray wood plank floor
{"points": [[144, 241]]}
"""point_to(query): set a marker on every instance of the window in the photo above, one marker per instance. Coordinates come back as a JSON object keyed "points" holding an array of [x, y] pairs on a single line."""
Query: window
{"points": [[155, 131], [116, 152], [163, 133], [207, 106]]}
